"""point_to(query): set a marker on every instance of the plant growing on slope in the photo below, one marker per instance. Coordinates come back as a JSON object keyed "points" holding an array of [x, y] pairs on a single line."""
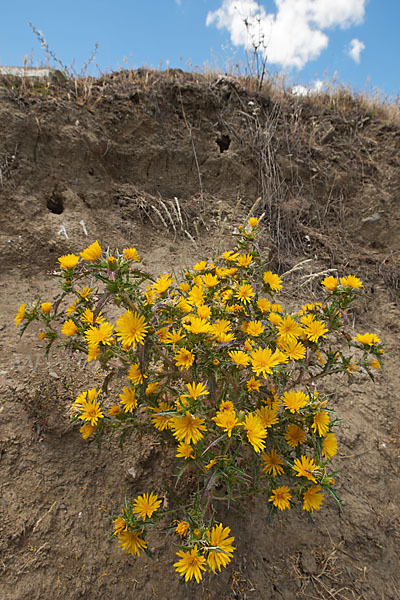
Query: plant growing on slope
{"points": [[222, 372]]}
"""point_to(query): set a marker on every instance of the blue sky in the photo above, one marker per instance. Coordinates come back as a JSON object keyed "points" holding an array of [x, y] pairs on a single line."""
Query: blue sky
{"points": [[355, 41]]}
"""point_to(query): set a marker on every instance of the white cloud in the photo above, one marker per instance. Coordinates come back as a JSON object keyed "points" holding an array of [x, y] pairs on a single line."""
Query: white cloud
{"points": [[291, 36], [302, 90], [356, 47]]}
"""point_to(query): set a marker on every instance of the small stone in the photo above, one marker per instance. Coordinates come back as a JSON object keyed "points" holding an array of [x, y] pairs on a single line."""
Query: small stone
{"points": [[132, 473]]}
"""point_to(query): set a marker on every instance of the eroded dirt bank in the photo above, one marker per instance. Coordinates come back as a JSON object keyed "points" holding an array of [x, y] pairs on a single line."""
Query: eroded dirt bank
{"points": [[158, 161]]}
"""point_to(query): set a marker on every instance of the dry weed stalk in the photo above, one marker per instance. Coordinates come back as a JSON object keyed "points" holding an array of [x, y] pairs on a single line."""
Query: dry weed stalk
{"points": [[329, 579]]}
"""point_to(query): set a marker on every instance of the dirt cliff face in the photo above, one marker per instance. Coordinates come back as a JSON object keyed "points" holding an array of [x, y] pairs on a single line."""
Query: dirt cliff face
{"points": [[327, 170], [169, 163]]}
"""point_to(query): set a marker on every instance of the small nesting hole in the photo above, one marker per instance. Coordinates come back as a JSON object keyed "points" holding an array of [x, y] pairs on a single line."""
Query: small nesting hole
{"points": [[55, 203], [223, 142]]}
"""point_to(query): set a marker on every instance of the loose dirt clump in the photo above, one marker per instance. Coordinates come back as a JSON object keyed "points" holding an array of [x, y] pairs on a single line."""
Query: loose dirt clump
{"points": [[169, 163]]}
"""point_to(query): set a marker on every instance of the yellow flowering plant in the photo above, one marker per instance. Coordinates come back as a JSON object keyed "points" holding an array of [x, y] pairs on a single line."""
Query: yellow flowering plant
{"points": [[220, 371]]}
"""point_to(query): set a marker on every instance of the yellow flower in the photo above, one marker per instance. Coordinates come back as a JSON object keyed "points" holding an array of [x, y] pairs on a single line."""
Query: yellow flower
{"points": [[41, 335], [184, 286], [245, 292], [268, 416], [90, 395], [368, 339], [196, 296], [288, 329], [162, 284], [87, 316], [305, 467], [190, 564], [374, 363], [210, 464], [330, 283], [255, 328], [20, 316], [230, 255], [244, 260], [274, 318], [263, 360], [162, 334], [351, 281], [281, 497], [210, 280], [197, 325], [239, 358], [263, 305], [128, 399], [203, 311], [84, 292], [329, 445], [72, 307], [224, 272], [200, 266], [223, 552], [307, 320], [182, 528], [161, 421], [312, 498], [114, 410], [91, 410], [92, 252], [315, 330], [144, 506], [150, 295], [226, 420], [152, 388], [294, 400], [273, 280], [99, 335], [86, 430], [253, 385], [220, 327], [130, 254], [46, 307], [119, 525], [226, 405], [184, 451], [188, 428], [68, 261], [93, 353], [253, 221], [184, 306], [256, 433], [131, 543], [196, 390], [272, 463], [321, 423], [131, 328], [294, 435], [184, 358], [69, 328], [294, 350], [135, 375]]}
